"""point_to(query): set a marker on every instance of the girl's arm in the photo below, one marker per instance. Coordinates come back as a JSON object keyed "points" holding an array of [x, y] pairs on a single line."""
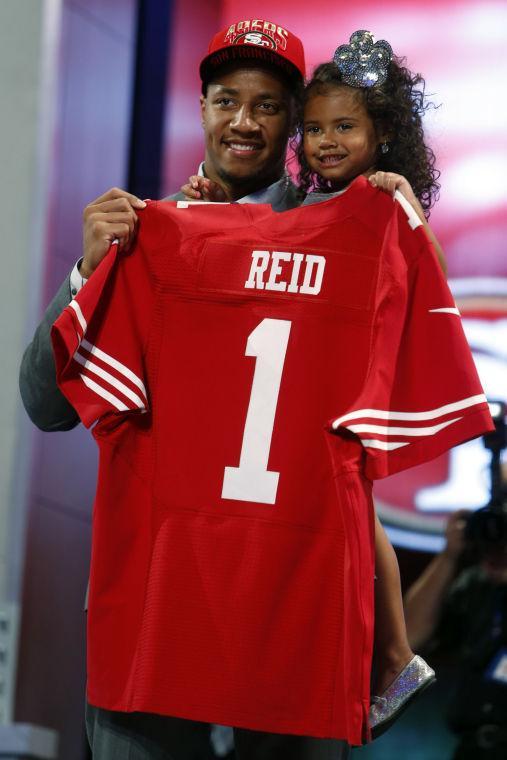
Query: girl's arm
{"points": [[390, 182], [202, 188]]}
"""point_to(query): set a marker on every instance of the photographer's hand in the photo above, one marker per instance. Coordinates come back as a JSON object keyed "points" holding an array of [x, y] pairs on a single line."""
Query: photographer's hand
{"points": [[425, 598], [455, 534]]}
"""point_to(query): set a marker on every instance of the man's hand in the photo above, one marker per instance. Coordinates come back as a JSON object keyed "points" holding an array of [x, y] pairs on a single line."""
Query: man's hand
{"points": [[202, 188], [111, 216]]}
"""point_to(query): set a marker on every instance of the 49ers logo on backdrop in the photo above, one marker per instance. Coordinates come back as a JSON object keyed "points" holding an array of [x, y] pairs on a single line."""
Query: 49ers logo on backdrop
{"points": [[257, 32]]}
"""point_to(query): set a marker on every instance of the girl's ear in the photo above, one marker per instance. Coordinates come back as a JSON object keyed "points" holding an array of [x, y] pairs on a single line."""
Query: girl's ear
{"points": [[384, 142], [383, 132], [384, 136]]}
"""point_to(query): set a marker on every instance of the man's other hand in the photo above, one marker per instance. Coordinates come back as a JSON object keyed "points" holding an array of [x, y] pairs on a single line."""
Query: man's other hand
{"points": [[110, 217]]}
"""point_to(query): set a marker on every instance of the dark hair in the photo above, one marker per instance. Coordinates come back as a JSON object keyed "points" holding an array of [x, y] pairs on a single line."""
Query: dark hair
{"points": [[396, 109]]}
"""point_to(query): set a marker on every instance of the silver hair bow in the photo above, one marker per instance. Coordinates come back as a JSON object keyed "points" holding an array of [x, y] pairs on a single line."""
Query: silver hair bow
{"points": [[362, 62]]}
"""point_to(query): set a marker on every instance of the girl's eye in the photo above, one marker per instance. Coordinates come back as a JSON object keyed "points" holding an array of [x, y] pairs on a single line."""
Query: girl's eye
{"points": [[344, 127], [311, 130]]}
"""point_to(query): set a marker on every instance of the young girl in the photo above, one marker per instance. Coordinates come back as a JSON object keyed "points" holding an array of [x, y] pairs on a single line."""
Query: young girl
{"points": [[352, 126], [362, 115]]}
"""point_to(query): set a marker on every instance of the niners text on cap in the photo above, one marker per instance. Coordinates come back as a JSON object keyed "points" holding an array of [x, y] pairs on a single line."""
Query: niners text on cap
{"points": [[362, 62]]}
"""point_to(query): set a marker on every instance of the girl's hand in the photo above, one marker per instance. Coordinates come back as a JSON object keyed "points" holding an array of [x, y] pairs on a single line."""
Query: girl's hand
{"points": [[202, 188], [390, 182]]}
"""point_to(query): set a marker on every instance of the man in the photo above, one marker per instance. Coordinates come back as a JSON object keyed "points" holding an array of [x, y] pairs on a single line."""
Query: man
{"points": [[250, 75], [248, 106]]}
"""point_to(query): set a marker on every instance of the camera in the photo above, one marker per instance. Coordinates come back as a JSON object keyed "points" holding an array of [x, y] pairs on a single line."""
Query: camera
{"points": [[487, 527]]}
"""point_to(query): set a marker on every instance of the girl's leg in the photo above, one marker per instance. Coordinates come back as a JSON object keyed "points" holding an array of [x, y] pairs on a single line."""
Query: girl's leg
{"points": [[391, 648]]}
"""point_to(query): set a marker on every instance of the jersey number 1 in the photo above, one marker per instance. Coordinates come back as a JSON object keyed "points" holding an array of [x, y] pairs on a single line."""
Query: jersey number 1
{"points": [[252, 481]]}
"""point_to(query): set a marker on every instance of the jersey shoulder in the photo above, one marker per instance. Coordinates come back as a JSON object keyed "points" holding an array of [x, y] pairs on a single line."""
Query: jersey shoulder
{"points": [[197, 217], [407, 211]]}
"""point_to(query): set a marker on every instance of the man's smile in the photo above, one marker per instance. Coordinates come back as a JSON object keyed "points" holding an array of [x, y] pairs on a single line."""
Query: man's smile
{"points": [[242, 148]]}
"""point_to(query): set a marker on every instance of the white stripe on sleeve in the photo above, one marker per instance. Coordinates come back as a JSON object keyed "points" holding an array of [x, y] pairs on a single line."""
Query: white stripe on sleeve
{"points": [[91, 367], [373, 443], [387, 414], [386, 430], [100, 391], [445, 310], [80, 317], [118, 366]]}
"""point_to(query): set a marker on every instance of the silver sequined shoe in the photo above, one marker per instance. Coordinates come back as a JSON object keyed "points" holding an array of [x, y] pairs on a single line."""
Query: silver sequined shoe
{"points": [[413, 679]]}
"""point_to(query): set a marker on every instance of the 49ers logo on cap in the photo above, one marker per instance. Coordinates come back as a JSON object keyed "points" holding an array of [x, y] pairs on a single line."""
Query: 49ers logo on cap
{"points": [[255, 38], [257, 32]]}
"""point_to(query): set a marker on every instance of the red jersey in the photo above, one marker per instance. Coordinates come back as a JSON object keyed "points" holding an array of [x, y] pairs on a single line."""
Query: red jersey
{"points": [[249, 373]]}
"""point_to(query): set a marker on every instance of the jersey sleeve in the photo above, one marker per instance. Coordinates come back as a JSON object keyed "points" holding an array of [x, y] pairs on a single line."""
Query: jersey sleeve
{"points": [[421, 395], [100, 337]]}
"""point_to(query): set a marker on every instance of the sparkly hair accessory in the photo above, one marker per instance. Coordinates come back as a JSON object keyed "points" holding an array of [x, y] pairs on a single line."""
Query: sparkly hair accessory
{"points": [[362, 62]]}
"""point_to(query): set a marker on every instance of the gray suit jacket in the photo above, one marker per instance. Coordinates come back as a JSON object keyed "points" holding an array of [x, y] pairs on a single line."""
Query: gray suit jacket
{"points": [[45, 404]]}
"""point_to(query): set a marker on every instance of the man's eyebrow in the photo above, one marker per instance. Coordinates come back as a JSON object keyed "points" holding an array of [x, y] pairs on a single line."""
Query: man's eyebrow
{"points": [[226, 90], [270, 96], [222, 90]]}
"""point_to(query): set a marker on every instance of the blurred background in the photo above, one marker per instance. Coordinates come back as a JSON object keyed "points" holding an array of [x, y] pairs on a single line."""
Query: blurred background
{"points": [[97, 93]]}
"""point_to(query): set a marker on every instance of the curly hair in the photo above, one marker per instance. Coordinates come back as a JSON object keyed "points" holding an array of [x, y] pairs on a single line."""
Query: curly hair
{"points": [[395, 108]]}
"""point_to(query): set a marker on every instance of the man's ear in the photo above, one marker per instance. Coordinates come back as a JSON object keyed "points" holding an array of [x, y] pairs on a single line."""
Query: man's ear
{"points": [[293, 119], [295, 115], [202, 101]]}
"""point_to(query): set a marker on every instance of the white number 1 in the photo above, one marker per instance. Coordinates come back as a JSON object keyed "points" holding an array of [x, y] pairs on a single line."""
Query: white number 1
{"points": [[252, 481]]}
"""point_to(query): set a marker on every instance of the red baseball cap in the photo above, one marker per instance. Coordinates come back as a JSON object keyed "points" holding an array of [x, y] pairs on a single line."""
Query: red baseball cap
{"points": [[255, 39]]}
